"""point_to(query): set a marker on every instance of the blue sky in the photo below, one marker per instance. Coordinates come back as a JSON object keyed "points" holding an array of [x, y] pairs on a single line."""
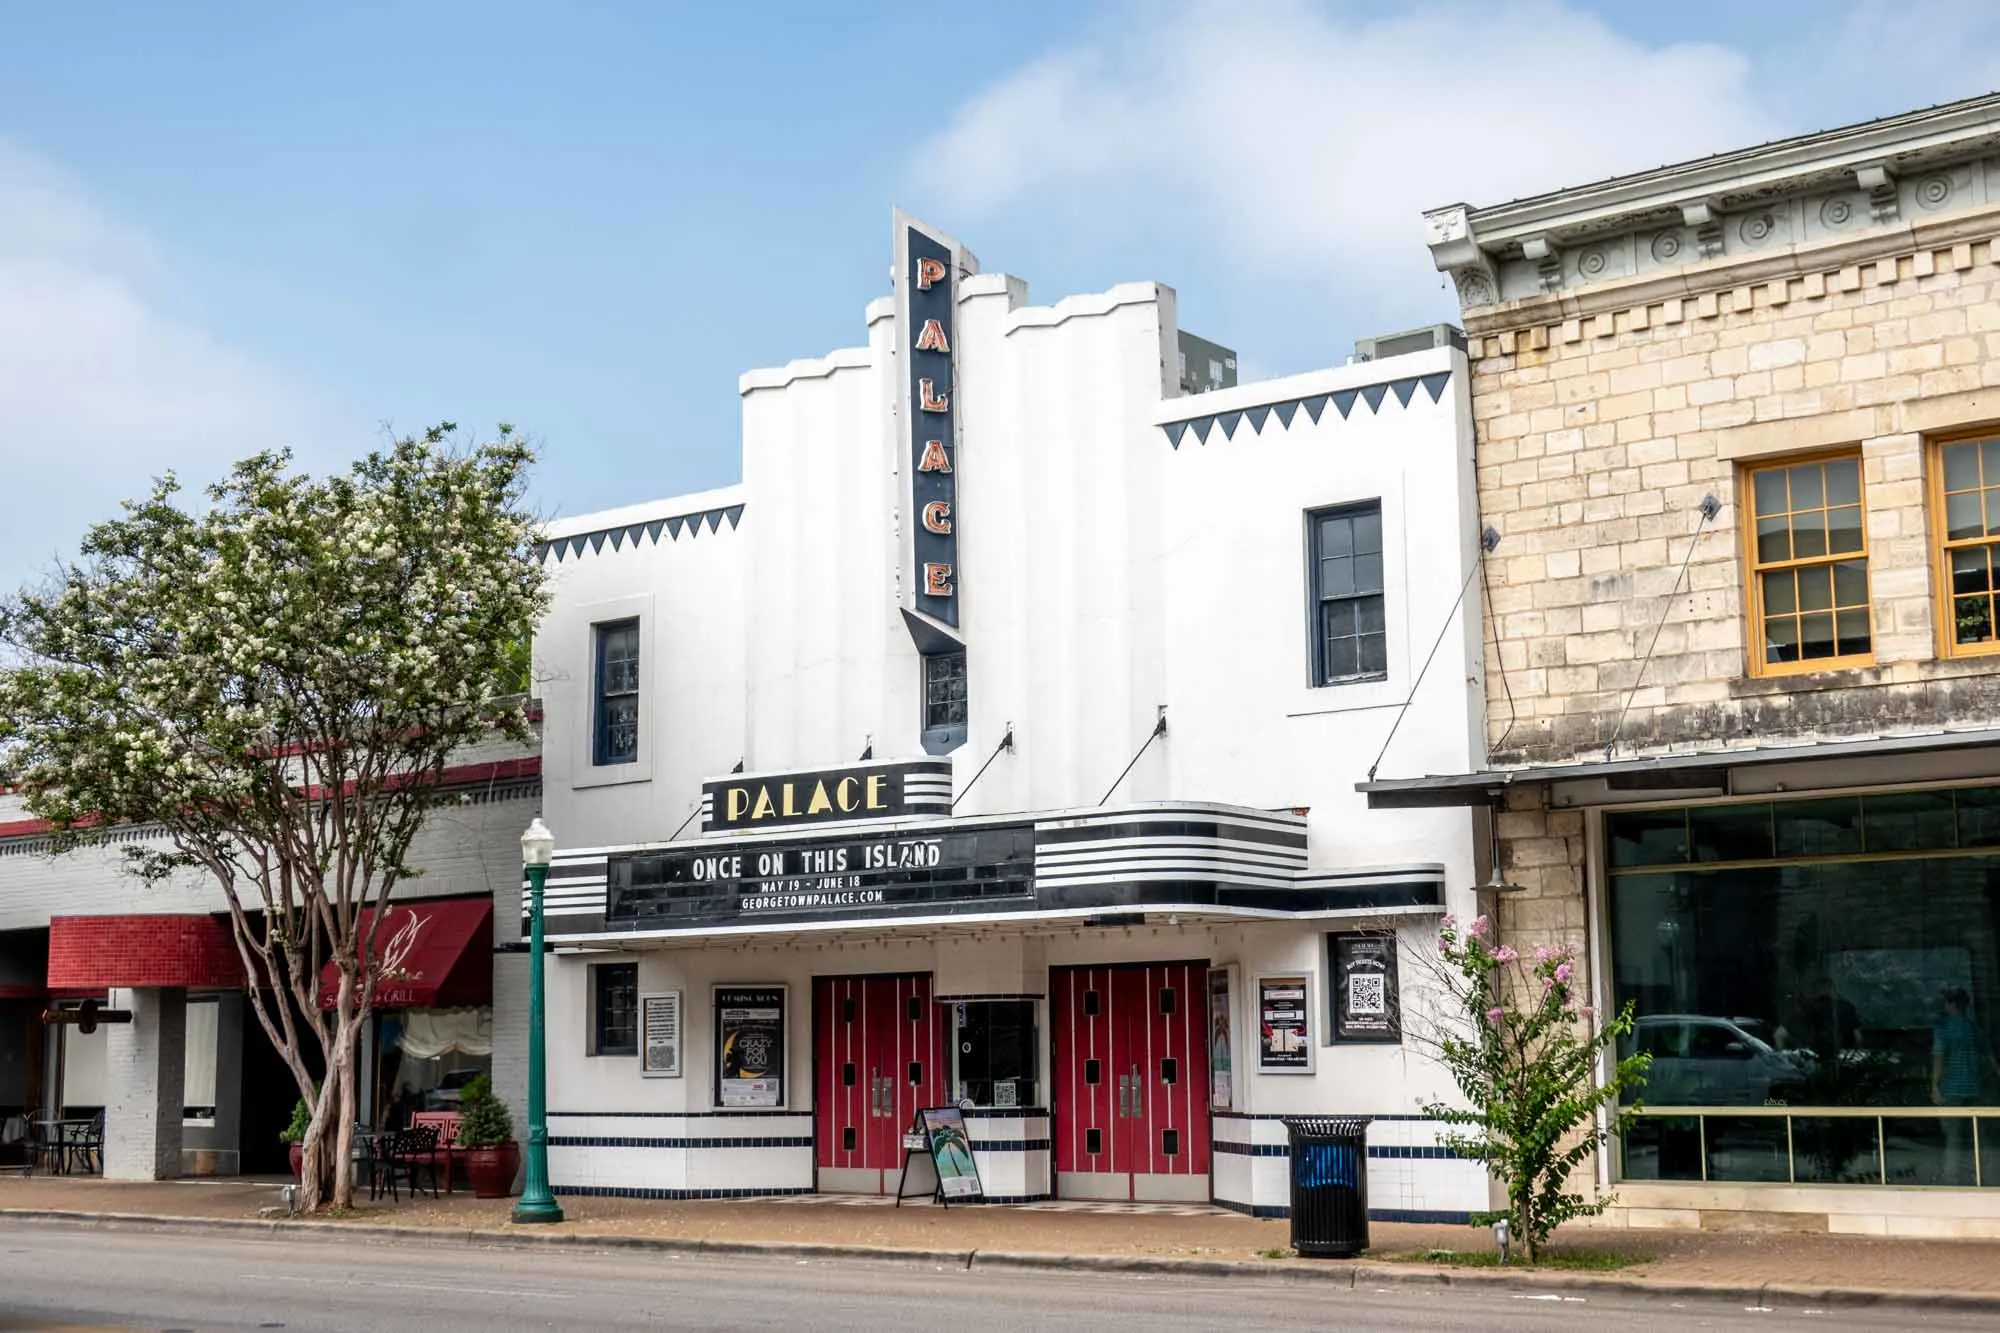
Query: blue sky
{"points": [[224, 226]]}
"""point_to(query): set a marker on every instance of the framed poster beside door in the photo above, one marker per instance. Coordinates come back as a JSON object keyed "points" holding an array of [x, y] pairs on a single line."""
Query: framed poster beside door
{"points": [[749, 1047], [660, 1035], [1221, 1038], [1367, 1001], [1284, 1024]]}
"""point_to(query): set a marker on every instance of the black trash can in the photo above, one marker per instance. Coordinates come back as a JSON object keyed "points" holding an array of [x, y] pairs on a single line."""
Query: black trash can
{"points": [[1329, 1186]]}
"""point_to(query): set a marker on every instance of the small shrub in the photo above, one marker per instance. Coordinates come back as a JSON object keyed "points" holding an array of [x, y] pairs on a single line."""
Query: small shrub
{"points": [[483, 1119], [302, 1116], [1524, 1053]]}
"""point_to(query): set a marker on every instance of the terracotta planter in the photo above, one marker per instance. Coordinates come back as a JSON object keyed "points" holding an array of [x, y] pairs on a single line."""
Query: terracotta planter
{"points": [[298, 1155], [491, 1170]]}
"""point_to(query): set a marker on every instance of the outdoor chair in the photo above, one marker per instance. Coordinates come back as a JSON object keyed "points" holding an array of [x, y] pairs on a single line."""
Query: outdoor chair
{"points": [[399, 1157], [85, 1147], [447, 1154]]}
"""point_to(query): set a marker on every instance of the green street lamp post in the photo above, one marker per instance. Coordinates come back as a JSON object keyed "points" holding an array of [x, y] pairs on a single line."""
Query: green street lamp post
{"points": [[538, 846]]}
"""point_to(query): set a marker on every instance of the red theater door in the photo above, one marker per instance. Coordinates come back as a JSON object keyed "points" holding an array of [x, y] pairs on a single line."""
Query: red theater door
{"points": [[1131, 1081], [877, 1058]]}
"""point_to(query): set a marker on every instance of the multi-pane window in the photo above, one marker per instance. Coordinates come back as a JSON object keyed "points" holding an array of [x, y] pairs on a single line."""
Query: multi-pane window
{"points": [[614, 1009], [1968, 475], [617, 704], [1350, 633], [1809, 566], [944, 691]]}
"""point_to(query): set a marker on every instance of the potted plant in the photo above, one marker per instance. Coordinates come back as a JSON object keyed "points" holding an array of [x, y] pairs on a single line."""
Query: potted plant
{"points": [[486, 1140], [295, 1134]]}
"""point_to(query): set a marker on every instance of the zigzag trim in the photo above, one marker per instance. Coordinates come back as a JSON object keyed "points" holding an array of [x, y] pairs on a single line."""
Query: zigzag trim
{"points": [[1371, 396], [632, 533]]}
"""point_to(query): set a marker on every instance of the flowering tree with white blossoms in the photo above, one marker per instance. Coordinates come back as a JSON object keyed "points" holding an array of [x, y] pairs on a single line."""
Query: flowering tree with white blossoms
{"points": [[1524, 1055], [276, 681]]}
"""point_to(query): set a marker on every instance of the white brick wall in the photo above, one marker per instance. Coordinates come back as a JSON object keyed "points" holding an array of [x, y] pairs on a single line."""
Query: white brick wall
{"points": [[144, 1071]]}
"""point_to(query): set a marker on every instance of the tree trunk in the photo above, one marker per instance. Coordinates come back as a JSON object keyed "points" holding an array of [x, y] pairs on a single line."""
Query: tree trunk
{"points": [[346, 1034], [314, 1172]]}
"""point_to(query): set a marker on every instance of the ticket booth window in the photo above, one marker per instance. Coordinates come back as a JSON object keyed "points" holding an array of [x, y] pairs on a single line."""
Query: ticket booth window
{"points": [[994, 1052]]}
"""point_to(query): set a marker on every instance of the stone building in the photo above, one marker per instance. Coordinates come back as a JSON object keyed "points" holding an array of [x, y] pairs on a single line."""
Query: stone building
{"points": [[1733, 422]]}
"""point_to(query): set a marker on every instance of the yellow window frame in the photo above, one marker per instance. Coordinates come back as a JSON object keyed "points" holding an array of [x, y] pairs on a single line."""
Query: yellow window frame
{"points": [[1944, 600], [1755, 568]]}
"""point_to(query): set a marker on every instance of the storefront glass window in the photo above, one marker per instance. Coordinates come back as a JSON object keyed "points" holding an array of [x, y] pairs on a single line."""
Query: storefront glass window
{"points": [[1824, 973], [994, 1052], [198, 1060], [425, 1057]]}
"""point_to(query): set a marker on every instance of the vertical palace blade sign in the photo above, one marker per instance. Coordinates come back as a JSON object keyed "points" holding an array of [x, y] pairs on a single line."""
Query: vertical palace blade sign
{"points": [[928, 266]]}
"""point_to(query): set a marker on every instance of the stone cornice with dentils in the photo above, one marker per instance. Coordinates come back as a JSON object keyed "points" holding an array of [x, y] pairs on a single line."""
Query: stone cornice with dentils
{"points": [[1818, 203], [1957, 244]]}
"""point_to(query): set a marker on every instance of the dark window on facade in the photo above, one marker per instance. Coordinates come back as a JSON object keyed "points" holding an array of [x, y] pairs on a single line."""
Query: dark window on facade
{"points": [[1350, 630], [944, 690], [944, 702], [614, 1005], [995, 1054], [616, 726]]}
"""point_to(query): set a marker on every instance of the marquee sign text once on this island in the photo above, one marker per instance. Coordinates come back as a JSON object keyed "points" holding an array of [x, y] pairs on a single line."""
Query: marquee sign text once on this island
{"points": [[856, 874]]}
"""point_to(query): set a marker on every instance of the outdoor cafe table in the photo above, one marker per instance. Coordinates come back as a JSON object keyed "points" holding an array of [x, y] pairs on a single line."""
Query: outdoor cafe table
{"points": [[61, 1139]]}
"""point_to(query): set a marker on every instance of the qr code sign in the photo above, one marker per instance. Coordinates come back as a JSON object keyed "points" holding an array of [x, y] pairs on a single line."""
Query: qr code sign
{"points": [[1367, 995]]}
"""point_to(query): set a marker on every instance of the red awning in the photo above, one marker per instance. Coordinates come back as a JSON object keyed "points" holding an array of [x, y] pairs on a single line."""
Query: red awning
{"points": [[449, 960]]}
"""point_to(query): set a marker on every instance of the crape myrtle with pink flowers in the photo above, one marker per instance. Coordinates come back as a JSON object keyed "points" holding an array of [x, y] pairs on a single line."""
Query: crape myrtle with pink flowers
{"points": [[1524, 1053]]}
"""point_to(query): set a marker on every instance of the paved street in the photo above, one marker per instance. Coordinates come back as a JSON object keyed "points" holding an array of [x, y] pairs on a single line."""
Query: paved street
{"points": [[71, 1277]]}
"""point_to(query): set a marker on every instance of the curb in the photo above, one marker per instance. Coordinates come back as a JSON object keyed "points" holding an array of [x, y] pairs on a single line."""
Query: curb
{"points": [[1331, 1273]]}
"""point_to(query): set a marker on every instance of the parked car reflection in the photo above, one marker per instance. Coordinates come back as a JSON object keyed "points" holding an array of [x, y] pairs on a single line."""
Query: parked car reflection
{"points": [[1701, 1060]]}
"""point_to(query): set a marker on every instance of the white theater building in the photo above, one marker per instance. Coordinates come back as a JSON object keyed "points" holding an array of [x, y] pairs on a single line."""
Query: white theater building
{"points": [[994, 744]]}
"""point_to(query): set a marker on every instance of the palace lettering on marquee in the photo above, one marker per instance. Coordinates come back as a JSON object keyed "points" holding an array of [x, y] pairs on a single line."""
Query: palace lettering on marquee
{"points": [[930, 310]]}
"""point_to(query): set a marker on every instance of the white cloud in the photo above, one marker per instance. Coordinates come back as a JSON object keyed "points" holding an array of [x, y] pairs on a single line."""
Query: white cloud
{"points": [[102, 386], [1309, 142]]}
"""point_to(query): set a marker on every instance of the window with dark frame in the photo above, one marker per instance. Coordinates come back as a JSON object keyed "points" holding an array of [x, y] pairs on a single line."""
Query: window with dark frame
{"points": [[944, 691], [616, 725], [614, 1009], [1350, 628]]}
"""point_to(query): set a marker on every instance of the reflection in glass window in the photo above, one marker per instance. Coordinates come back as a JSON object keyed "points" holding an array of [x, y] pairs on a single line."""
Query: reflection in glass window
{"points": [[994, 1052], [1793, 1002]]}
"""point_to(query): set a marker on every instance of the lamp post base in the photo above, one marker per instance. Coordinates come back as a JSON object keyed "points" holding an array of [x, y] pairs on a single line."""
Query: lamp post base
{"points": [[536, 1210]]}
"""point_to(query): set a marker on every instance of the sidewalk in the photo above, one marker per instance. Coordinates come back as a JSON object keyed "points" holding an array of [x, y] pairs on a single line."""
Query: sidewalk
{"points": [[1965, 1273]]}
